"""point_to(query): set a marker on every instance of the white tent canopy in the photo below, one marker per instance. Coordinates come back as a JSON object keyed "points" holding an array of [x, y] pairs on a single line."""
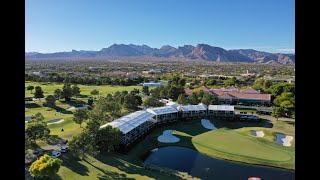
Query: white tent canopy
{"points": [[198, 107], [127, 123], [162, 110]]}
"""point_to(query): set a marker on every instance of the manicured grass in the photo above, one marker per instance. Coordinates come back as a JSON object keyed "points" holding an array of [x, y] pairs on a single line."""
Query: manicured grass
{"points": [[109, 166], [231, 145], [47, 112], [231, 141], [49, 88]]}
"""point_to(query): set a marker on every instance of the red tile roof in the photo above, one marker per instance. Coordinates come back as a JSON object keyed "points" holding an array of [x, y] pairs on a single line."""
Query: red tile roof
{"points": [[240, 95], [235, 94], [225, 95], [205, 89], [188, 91], [250, 90], [232, 88]]}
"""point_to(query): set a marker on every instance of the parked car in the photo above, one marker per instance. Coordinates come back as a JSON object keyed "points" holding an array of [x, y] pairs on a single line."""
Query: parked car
{"points": [[55, 154], [63, 149]]}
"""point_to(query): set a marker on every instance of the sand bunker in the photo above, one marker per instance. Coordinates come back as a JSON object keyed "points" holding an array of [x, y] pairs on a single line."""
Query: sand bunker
{"points": [[167, 137], [74, 108], [27, 119], [257, 133], [55, 121], [207, 124], [284, 139]]}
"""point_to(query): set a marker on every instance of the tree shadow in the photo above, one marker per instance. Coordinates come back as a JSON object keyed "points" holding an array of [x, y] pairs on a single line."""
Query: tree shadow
{"points": [[74, 102], [82, 96], [32, 105], [124, 165], [191, 127], [73, 164], [238, 124], [61, 110], [113, 175], [108, 174], [56, 177]]}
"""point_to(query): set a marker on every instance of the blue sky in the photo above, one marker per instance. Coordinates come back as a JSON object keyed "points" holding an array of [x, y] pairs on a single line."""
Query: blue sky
{"points": [[63, 25]]}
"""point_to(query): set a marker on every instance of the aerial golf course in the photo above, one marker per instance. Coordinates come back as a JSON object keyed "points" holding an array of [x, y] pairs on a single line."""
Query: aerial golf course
{"points": [[230, 141]]}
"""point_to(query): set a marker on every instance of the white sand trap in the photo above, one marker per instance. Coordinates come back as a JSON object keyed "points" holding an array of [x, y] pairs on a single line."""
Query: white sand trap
{"points": [[257, 133], [27, 119], [284, 139], [167, 137], [55, 121], [74, 108], [207, 124]]}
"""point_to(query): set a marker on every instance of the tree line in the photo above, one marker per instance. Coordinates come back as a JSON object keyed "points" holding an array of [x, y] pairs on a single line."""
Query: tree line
{"points": [[87, 80], [283, 96]]}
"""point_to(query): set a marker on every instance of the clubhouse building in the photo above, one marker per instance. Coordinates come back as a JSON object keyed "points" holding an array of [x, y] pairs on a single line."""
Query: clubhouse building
{"points": [[233, 96]]}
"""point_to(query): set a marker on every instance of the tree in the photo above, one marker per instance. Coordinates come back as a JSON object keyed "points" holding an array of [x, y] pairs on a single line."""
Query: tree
{"points": [[130, 102], [107, 137], [45, 167], [67, 92], [27, 142], [209, 99], [75, 90], [145, 89], [94, 92], [276, 112], [286, 101], [193, 99], [93, 125], [90, 101], [37, 131], [51, 100], [182, 99], [80, 115], [58, 93], [230, 82], [175, 91], [98, 114], [210, 82], [108, 104], [38, 117], [155, 93], [82, 144], [259, 84], [38, 93], [152, 102], [30, 88], [182, 82]]}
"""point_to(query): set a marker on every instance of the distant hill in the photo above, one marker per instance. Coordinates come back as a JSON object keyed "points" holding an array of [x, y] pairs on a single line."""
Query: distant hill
{"points": [[199, 52]]}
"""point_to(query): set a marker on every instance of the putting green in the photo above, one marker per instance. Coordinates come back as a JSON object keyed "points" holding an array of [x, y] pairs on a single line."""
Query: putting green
{"points": [[236, 146]]}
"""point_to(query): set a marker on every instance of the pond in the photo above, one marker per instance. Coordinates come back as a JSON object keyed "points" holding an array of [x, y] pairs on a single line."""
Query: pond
{"points": [[205, 167]]}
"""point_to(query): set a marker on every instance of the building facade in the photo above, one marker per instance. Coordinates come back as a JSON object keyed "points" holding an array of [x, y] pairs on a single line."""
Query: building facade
{"points": [[221, 111], [192, 111], [164, 114]]}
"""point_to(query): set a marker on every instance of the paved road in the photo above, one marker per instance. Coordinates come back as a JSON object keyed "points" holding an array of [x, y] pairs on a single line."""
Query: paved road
{"points": [[54, 146], [280, 119]]}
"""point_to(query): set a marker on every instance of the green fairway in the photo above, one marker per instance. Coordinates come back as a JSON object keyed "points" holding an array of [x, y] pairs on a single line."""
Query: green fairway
{"points": [[49, 88], [231, 145], [228, 142]]}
